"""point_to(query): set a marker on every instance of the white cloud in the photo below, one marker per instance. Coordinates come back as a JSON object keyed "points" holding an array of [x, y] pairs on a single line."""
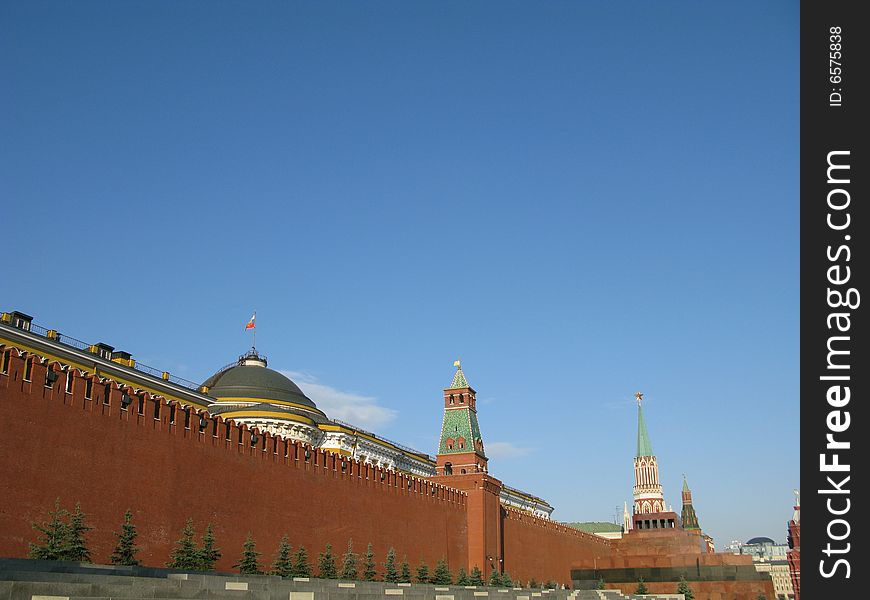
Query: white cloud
{"points": [[346, 406], [502, 450]]}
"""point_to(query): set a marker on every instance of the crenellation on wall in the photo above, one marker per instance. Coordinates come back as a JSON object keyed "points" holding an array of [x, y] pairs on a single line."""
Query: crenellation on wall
{"points": [[528, 518], [156, 416]]}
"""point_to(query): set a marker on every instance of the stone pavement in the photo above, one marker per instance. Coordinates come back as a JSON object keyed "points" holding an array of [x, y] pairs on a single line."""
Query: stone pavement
{"points": [[22, 579]]}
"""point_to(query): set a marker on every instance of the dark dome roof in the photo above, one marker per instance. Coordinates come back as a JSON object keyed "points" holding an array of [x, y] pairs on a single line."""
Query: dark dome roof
{"points": [[761, 540], [252, 379]]}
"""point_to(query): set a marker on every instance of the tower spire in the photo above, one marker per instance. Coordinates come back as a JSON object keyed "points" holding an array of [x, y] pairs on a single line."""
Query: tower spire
{"points": [[688, 515], [648, 496], [644, 447], [459, 380], [460, 450]]}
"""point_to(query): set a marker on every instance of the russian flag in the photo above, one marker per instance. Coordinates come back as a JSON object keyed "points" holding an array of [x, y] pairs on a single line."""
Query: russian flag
{"points": [[251, 324]]}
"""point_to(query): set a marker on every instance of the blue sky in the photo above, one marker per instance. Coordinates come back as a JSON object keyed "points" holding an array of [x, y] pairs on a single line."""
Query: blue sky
{"points": [[579, 199]]}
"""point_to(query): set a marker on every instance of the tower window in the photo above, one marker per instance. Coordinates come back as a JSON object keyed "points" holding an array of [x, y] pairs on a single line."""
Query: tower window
{"points": [[461, 398]]}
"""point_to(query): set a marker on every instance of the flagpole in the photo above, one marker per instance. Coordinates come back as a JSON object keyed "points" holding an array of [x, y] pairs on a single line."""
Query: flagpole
{"points": [[255, 332]]}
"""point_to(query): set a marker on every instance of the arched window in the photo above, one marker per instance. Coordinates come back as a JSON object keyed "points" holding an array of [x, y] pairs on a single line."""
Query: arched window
{"points": [[449, 443], [448, 469], [460, 442]]}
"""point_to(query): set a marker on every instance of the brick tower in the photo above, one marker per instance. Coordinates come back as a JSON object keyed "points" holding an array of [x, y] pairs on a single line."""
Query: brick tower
{"points": [[649, 502], [462, 464], [461, 448], [688, 516]]}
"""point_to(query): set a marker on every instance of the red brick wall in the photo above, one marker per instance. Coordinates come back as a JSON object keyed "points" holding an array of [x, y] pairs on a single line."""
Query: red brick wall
{"points": [[544, 550], [60, 445]]}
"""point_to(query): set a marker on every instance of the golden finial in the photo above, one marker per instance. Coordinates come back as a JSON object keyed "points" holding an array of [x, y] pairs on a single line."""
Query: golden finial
{"points": [[457, 363], [639, 396]]}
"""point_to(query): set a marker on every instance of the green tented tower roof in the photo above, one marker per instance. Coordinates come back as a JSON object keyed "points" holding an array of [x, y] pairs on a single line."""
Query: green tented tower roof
{"points": [[459, 380], [460, 421], [644, 447]]}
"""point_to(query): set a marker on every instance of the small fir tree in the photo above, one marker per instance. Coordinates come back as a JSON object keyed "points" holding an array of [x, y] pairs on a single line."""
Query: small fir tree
{"points": [[423, 572], [348, 567], [761, 597], [462, 577], [506, 580], [209, 554], [326, 564], [125, 550], [684, 589], [76, 544], [390, 573], [405, 572], [301, 567], [533, 583], [494, 578], [185, 555], [283, 565], [250, 562], [370, 570], [442, 574], [641, 587], [476, 577], [52, 541], [601, 583], [552, 585]]}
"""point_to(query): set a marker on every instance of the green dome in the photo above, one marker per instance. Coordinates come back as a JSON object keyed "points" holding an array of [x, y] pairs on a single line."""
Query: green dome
{"points": [[251, 379]]}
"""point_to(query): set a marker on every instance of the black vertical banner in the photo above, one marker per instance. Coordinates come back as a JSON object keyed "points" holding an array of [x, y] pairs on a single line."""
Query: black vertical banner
{"points": [[835, 225]]}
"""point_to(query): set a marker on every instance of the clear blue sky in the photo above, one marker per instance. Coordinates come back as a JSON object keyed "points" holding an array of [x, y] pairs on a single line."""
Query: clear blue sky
{"points": [[579, 199]]}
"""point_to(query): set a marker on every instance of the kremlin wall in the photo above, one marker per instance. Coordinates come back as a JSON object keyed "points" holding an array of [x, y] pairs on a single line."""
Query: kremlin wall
{"points": [[248, 452]]}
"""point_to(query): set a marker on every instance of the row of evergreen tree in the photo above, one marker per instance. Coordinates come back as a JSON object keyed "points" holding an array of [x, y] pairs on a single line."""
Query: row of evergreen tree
{"points": [[62, 537]]}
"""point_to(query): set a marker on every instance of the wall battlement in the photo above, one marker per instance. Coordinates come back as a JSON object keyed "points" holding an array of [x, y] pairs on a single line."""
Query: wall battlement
{"points": [[176, 418], [556, 527]]}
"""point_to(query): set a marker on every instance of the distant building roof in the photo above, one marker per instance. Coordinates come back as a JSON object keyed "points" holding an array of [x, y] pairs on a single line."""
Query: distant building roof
{"points": [[761, 540], [596, 527]]}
